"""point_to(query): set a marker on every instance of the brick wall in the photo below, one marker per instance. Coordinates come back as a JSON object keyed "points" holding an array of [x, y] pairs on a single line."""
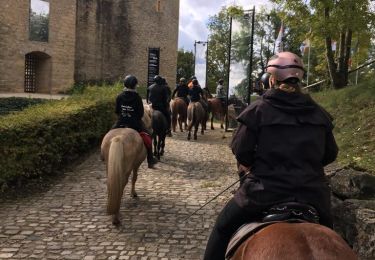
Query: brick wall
{"points": [[113, 37], [15, 44], [89, 40]]}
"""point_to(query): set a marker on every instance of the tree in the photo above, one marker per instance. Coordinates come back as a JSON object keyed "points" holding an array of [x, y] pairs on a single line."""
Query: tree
{"points": [[185, 64], [267, 24], [39, 27], [331, 20]]}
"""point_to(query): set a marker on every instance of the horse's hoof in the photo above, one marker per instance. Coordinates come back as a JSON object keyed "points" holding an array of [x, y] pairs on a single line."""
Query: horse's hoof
{"points": [[212, 128], [195, 138], [116, 220], [134, 195], [188, 137]]}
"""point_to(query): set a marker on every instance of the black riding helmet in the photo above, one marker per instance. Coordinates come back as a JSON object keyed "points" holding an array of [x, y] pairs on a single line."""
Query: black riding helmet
{"points": [[158, 80], [130, 81], [265, 79]]}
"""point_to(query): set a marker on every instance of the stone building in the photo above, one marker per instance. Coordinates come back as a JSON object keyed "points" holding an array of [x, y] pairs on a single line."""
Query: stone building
{"points": [[48, 45]]}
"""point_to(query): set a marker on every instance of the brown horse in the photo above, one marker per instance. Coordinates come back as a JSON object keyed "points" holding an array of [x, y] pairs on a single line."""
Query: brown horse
{"points": [[196, 116], [123, 150], [286, 241], [179, 112], [217, 110]]}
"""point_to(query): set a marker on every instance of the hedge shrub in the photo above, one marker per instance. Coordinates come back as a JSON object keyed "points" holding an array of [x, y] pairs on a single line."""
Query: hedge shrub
{"points": [[42, 138], [14, 104]]}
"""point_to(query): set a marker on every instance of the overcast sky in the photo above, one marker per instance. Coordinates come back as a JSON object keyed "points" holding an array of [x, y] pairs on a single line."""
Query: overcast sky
{"points": [[194, 16]]}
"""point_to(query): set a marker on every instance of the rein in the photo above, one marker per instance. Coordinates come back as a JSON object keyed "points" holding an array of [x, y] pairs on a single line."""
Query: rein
{"points": [[227, 188]]}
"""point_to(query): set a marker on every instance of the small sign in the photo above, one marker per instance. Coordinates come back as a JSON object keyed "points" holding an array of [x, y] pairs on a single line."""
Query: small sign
{"points": [[153, 65]]}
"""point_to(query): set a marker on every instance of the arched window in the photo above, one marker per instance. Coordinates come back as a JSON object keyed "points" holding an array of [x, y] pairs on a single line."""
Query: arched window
{"points": [[37, 72], [39, 20]]}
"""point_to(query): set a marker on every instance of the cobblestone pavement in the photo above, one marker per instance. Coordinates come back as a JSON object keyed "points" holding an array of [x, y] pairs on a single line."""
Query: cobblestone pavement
{"points": [[68, 220]]}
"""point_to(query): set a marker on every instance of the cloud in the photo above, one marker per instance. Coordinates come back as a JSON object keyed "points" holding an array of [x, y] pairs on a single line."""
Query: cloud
{"points": [[194, 15]]}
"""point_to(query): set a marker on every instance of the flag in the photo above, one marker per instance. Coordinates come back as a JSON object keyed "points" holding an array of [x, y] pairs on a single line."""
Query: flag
{"points": [[305, 45], [333, 45], [279, 45]]}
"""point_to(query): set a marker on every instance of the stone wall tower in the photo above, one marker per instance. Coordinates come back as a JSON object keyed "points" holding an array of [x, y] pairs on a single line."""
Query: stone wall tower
{"points": [[88, 41]]}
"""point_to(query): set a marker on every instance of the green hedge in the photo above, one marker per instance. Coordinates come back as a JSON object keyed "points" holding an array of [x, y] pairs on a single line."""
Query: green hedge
{"points": [[42, 138], [14, 104]]}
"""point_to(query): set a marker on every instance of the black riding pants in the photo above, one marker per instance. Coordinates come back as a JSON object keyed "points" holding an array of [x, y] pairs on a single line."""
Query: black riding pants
{"points": [[233, 217], [229, 220]]}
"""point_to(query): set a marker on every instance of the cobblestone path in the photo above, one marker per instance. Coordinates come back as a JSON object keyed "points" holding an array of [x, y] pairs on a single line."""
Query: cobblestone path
{"points": [[68, 221]]}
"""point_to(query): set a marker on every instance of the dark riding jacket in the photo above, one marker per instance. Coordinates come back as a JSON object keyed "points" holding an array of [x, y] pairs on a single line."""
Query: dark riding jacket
{"points": [[195, 93], [181, 90], [129, 109], [158, 96], [286, 139]]}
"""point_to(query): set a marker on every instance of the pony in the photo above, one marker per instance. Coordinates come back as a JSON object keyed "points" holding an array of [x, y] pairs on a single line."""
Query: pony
{"points": [[217, 110], [123, 150], [285, 241], [196, 116], [159, 127], [179, 113]]}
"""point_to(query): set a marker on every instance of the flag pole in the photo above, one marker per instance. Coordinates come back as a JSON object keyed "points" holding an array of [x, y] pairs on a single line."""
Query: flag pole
{"points": [[308, 63]]}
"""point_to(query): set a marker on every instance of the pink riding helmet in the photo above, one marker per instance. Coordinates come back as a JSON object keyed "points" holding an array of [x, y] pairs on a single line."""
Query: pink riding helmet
{"points": [[285, 65]]}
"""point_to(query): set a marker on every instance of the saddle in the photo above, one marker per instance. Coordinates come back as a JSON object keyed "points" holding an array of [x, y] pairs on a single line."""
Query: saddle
{"points": [[289, 212]]}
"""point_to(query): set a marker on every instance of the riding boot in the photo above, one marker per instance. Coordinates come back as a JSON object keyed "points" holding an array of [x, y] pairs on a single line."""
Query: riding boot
{"points": [[150, 158]]}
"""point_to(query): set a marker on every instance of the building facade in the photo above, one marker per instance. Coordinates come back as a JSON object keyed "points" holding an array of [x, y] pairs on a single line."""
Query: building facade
{"points": [[48, 45]]}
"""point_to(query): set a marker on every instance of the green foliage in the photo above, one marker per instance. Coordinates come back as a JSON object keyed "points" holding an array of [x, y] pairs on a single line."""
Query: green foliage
{"points": [[15, 104], [42, 138], [329, 19], [353, 109], [185, 64], [39, 27]]}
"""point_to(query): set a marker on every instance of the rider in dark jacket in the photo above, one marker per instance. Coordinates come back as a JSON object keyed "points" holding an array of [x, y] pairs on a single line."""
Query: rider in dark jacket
{"points": [[182, 91], [196, 94], [284, 140], [158, 96], [129, 109]]}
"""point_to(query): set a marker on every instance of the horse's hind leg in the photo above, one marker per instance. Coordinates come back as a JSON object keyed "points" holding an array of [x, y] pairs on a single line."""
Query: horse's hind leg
{"points": [[155, 140], [134, 179], [196, 131], [162, 145], [180, 124], [212, 121], [158, 147]]}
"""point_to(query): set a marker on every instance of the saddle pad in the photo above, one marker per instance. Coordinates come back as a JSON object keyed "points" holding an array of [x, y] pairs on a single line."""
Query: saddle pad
{"points": [[247, 230], [146, 139], [243, 233]]}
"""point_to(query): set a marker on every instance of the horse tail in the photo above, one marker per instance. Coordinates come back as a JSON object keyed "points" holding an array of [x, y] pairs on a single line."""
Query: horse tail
{"points": [[115, 175]]}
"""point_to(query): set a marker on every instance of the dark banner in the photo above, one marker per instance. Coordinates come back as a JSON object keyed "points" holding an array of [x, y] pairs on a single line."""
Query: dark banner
{"points": [[153, 64]]}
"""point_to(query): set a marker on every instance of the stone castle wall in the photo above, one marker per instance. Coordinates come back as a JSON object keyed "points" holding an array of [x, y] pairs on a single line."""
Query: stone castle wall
{"points": [[113, 38], [15, 44], [90, 41]]}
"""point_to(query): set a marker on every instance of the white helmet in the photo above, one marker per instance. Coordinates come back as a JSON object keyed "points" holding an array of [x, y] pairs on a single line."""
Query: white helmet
{"points": [[285, 65]]}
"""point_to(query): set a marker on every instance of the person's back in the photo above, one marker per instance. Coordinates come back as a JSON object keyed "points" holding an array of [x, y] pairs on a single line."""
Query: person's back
{"points": [[129, 109], [283, 142], [158, 95], [182, 91], [294, 141], [220, 91], [195, 92]]}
